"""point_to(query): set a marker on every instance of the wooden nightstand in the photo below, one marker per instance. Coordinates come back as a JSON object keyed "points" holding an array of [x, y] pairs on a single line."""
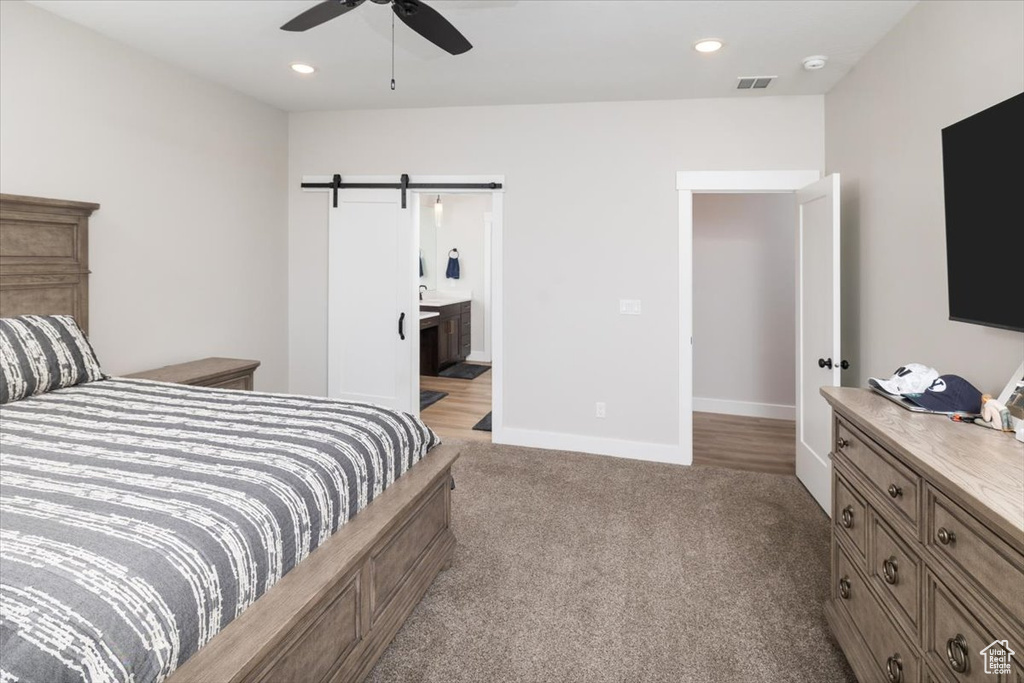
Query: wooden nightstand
{"points": [[223, 373]]}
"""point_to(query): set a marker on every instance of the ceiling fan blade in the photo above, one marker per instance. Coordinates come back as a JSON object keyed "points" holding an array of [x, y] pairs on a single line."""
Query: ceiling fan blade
{"points": [[431, 25], [318, 14]]}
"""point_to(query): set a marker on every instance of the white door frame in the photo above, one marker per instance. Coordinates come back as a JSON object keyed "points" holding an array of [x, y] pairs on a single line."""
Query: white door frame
{"points": [[484, 356], [496, 263], [689, 183]]}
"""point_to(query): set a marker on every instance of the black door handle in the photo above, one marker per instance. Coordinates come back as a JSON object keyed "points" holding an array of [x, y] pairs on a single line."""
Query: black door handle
{"points": [[823, 363], [401, 326]]}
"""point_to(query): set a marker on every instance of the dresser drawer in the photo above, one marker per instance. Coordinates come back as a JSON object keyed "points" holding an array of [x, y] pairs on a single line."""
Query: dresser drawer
{"points": [[953, 636], [891, 655], [989, 563], [897, 571], [849, 514], [898, 487]]}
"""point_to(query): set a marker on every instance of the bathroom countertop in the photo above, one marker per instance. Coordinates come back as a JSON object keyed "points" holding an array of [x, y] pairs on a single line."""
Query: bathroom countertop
{"points": [[428, 314], [445, 301]]}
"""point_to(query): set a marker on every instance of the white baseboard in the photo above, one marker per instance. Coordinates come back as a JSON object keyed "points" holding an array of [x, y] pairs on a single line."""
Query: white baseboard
{"points": [[478, 357], [635, 450], [773, 411]]}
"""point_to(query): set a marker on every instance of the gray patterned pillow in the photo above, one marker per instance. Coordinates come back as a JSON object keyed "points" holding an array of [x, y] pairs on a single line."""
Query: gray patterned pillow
{"points": [[40, 353]]}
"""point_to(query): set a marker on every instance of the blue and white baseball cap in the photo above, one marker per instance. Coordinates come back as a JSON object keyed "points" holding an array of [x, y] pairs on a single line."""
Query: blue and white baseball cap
{"points": [[912, 378], [949, 394]]}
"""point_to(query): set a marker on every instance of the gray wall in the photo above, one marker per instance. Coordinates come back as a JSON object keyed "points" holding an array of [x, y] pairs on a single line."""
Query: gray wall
{"points": [[591, 216], [744, 300], [942, 63], [188, 247]]}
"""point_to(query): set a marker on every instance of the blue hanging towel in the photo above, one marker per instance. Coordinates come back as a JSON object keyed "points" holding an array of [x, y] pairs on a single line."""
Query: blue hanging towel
{"points": [[452, 273]]}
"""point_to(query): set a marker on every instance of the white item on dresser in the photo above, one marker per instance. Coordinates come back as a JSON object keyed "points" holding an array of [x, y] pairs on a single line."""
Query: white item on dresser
{"points": [[1004, 398]]}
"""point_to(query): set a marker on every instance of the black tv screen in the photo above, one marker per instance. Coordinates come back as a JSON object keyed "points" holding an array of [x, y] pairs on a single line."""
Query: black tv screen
{"points": [[982, 162]]}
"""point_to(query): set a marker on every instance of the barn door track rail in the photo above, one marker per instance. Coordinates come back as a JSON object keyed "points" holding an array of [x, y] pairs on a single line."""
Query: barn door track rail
{"points": [[403, 184]]}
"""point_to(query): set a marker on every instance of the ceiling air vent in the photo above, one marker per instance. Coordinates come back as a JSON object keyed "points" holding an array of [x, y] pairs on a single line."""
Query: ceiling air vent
{"points": [[754, 82]]}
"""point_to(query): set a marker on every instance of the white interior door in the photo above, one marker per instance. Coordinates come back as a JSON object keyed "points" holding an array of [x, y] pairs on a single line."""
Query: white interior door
{"points": [[817, 320], [373, 314]]}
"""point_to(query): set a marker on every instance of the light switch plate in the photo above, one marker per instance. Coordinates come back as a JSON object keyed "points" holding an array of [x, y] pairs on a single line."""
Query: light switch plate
{"points": [[629, 306]]}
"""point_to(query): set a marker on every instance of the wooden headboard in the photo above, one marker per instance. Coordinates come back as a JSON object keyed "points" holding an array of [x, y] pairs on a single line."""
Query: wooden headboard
{"points": [[44, 257]]}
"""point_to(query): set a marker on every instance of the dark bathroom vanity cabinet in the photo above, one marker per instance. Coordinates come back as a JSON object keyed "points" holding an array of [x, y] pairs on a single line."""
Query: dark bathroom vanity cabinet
{"points": [[445, 339]]}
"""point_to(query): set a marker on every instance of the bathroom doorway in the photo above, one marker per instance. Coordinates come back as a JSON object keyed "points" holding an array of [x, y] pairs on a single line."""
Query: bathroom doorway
{"points": [[455, 275]]}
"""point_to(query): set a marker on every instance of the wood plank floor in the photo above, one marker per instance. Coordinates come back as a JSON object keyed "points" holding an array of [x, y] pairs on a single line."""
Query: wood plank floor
{"points": [[744, 443], [740, 443], [467, 401]]}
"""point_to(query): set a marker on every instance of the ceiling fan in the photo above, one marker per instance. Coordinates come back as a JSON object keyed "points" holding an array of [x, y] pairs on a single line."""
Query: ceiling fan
{"points": [[413, 13]]}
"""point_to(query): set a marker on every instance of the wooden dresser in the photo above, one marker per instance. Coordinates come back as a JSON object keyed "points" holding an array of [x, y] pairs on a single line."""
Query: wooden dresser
{"points": [[223, 373], [927, 543]]}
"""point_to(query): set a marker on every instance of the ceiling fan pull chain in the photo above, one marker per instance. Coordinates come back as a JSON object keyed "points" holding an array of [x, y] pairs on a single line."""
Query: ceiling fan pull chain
{"points": [[392, 50]]}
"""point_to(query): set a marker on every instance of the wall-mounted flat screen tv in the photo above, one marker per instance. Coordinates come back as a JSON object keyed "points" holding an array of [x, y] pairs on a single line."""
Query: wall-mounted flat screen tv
{"points": [[983, 173]]}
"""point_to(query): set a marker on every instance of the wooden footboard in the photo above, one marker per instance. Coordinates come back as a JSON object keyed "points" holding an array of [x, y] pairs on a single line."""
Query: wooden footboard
{"points": [[331, 617]]}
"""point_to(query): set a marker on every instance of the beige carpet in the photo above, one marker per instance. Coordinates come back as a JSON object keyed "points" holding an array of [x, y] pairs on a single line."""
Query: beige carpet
{"points": [[586, 568]]}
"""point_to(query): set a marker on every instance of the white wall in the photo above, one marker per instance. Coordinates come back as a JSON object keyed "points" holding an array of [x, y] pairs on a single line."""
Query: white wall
{"points": [[188, 249], [462, 228], [945, 61], [744, 303], [428, 246], [591, 216]]}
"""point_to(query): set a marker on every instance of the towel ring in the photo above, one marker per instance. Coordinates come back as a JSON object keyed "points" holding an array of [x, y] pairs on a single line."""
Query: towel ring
{"points": [[453, 251]]}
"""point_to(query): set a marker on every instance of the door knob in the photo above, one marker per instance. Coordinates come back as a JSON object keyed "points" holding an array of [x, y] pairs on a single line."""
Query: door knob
{"points": [[823, 363], [845, 365]]}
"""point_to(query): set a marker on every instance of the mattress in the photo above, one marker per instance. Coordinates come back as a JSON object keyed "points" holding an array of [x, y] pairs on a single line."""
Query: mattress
{"points": [[138, 518]]}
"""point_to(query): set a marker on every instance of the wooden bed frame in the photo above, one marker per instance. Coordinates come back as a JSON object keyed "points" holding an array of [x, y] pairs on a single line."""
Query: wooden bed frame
{"points": [[331, 617]]}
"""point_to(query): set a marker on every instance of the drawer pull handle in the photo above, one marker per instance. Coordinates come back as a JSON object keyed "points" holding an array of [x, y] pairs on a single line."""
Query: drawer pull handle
{"points": [[844, 588], [848, 516], [946, 536], [956, 653], [895, 491], [890, 571], [842, 443], [894, 668]]}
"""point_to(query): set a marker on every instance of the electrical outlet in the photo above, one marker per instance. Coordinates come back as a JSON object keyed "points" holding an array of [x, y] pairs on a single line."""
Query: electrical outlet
{"points": [[600, 410], [629, 306]]}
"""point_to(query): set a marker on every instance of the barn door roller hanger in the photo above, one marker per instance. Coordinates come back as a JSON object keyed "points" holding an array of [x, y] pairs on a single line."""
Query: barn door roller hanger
{"points": [[403, 184]]}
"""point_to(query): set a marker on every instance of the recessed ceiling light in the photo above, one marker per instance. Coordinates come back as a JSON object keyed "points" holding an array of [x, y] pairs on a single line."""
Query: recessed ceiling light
{"points": [[708, 45], [303, 68]]}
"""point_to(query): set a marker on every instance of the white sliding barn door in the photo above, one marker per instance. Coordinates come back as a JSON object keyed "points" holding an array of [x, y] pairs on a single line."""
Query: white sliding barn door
{"points": [[817, 318], [373, 313]]}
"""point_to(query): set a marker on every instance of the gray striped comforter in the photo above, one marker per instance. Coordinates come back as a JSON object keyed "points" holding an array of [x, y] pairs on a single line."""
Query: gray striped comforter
{"points": [[138, 518]]}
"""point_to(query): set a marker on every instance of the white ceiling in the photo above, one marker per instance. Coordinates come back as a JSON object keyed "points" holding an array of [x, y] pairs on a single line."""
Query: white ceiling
{"points": [[525, 51]]}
